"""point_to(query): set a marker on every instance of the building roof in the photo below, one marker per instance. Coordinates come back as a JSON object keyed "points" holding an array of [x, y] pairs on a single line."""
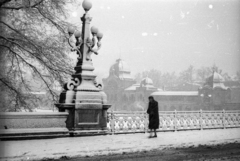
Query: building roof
{"points": [[175, 93], [132, 87], [232, 83]]}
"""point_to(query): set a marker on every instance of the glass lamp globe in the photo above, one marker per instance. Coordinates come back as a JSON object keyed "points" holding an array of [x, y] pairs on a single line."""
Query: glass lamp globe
{"points": [[87, 5]]}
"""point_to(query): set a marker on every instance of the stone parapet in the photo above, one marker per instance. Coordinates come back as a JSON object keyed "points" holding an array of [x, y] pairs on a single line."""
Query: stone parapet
{"points": [[32, 125], [18, 120]]}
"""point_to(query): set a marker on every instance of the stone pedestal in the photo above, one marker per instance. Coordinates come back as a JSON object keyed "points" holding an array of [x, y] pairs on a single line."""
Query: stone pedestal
{"points": [[85, 117]]}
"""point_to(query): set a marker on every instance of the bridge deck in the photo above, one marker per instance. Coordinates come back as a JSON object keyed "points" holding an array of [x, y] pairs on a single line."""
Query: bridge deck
{"points": [[112, 144]]}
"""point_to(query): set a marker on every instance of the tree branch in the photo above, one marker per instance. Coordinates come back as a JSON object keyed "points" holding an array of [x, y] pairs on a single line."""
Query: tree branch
{"points": [[9, 86], [18, 33], [54, 23], [21, 7], [38, 58], [4, 2], [33, 68]]}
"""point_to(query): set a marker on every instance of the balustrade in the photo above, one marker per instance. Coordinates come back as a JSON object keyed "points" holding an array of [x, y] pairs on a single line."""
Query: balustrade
{"points": [[132, 122]]}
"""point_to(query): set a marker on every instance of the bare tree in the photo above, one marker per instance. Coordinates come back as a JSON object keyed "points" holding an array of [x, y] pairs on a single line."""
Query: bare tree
{"points": [[187, 75], [169, 80], [203, 73], [216, 69], [32, 41]]}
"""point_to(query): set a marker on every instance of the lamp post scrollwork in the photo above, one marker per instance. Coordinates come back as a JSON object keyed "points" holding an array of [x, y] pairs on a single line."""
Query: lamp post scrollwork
{"points": [[83, 38], [77, 45]]}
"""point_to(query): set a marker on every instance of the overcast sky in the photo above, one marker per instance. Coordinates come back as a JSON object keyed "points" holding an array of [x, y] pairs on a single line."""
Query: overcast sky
{"points": [[168, 35]]}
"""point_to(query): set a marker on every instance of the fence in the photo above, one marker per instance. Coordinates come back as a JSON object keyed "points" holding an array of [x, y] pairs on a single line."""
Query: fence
{"points": [[132, 122]]}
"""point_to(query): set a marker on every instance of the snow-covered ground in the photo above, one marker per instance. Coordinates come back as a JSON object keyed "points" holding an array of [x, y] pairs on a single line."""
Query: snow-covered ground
{"points": [[112, 144], [40, 110]]}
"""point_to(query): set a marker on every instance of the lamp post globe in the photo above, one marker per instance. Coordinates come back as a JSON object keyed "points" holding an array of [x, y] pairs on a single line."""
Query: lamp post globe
{"points": [[87, 5], [77, 34], [71, 30], [99, 35], [94, 30]]}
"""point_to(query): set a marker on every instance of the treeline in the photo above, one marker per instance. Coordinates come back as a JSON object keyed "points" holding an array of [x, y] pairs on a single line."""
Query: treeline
{"points": [[190, 75]]}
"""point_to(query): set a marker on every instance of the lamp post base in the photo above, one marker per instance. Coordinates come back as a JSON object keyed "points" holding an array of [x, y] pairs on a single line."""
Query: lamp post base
{"points": [[85, 118]]}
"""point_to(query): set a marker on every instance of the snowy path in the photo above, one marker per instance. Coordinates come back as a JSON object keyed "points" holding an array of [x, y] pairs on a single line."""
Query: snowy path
{"points": [[112, 144]]}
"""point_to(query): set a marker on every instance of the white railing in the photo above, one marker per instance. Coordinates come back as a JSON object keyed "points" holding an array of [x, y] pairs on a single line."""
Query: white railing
{"points": [[132, 122]]}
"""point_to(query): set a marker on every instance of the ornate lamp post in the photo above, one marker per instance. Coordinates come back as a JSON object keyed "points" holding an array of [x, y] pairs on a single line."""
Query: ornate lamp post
{"points": [[83, 99]]}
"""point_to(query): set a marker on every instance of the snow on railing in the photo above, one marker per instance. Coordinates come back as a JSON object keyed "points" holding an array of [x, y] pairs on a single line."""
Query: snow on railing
{"points": [[137, 121]]}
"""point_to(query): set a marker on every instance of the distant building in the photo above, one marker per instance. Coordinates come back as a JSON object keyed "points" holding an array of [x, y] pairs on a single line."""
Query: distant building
{"points": [[217, 95], [125, 94], [187, 86], [119, 79], [178, 100]]}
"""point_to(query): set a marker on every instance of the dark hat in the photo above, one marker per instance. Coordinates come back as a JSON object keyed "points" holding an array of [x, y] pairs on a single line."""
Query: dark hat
{"points": [[150, 97]]}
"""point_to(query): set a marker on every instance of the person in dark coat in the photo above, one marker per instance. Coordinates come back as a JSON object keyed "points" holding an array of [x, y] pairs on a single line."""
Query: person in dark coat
{"points": [[153, 116]]}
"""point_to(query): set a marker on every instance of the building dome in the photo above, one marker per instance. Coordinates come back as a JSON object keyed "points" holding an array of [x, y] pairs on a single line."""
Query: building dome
{"points": [[215, 80], [147, 84], [120, 69], [146, 81], [120, 65]]}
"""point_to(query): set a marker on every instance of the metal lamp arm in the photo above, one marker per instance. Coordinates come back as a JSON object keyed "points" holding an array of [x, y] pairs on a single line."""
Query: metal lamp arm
{"points": [[77, 46], [95, 51], [70, 42], [93, 41]]}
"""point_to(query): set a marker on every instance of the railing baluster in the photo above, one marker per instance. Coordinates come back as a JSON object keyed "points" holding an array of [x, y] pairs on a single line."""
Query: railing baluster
{"points": [[175, 120], [145, 123], [223, 119], [201, 120], [112, 123]]}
